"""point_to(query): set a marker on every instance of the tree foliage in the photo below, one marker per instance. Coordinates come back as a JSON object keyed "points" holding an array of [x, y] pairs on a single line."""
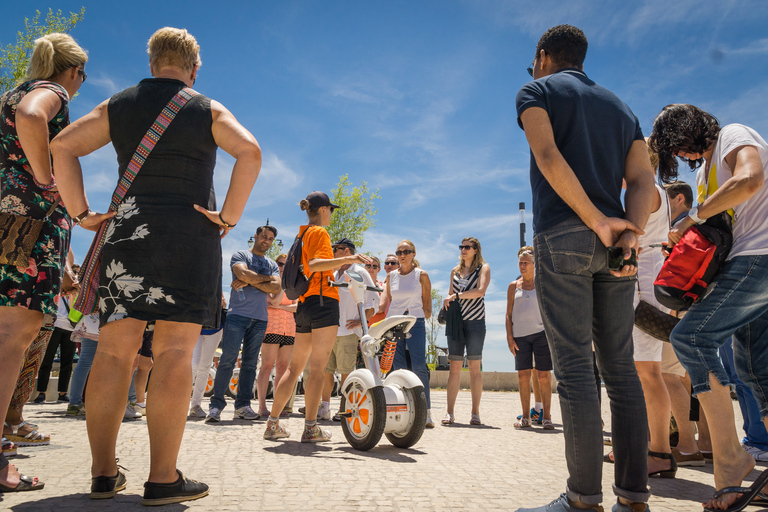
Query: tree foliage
{"points": [[356, 213], [433, 327], [14, 58]]}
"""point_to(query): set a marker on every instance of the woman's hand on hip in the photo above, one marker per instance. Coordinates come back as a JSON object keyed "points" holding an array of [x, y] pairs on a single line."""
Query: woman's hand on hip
{"points": [[215, 217]]}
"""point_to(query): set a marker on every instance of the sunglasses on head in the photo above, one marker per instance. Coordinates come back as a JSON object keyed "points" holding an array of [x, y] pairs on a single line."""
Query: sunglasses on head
{"points": [[406, 251], [372, 266]]}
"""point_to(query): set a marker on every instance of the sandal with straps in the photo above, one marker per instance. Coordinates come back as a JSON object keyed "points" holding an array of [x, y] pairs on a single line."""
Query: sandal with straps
{"points": [[751, 495], [9, 448], [475, 420], [523, 423], [448, 420], [664, 473], [26, 483], [34, 438]]}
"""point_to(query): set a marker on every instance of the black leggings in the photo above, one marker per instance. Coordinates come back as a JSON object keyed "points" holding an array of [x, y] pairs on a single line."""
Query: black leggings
{"points": [[61, 338]]}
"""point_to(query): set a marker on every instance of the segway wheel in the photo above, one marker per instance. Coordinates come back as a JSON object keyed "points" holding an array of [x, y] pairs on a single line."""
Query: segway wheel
{"points": [[368, 409], [209, 384], [231, 390], [412, 433]]}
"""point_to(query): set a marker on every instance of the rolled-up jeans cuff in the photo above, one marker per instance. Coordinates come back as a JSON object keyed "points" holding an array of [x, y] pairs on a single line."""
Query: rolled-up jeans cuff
{"points": [[699, 386], [594, 499], [634, 497]]}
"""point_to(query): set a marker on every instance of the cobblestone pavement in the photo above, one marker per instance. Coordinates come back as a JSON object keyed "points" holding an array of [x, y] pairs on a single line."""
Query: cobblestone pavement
{"points": [[461, 467]]}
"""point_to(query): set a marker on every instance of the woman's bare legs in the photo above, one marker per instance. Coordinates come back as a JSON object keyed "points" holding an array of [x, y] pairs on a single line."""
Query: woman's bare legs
{"points": [[524, 379], [454, 383], [658, 405], [268, 357], [475, 384]]}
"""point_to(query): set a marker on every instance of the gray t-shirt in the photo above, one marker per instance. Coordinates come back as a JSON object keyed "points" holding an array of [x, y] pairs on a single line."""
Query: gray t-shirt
{"points": [[251, 302]]}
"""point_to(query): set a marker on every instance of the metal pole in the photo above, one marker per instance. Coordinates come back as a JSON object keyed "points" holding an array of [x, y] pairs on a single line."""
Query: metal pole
{"points": [[522, 225]]}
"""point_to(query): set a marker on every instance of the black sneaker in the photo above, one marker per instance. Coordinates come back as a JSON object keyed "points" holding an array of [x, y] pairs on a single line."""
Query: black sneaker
{"points": [[182, 489], [63, 398], [105, 487], [40, 398]]}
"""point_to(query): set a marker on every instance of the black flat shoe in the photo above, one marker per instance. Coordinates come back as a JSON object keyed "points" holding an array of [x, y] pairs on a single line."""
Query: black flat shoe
{"points": [[664, 473], [182, 489], [105, 487]]}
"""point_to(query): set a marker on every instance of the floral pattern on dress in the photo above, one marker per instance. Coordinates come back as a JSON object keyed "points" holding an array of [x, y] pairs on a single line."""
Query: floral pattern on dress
{"points": [[122, 286]]}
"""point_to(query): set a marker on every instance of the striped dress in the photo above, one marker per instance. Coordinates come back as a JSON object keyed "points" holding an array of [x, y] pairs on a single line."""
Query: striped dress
{"points": [[471, 309]]}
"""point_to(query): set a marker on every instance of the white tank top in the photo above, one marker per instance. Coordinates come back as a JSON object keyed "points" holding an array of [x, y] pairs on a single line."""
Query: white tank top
{"points": [[651, 259], [526, 316], [406, 293]]}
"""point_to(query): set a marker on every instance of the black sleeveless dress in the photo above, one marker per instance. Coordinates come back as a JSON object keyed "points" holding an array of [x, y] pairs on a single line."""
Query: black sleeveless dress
{"points": [[162, 258]]}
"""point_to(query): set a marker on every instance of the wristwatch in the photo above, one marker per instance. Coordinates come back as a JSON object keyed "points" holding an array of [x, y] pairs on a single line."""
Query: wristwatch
{"points": [[694, 215]]}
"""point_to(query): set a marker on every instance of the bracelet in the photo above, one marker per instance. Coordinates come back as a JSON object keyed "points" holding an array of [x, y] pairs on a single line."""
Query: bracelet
{"points": [[80, 218], [228, 226], [45, 187]]}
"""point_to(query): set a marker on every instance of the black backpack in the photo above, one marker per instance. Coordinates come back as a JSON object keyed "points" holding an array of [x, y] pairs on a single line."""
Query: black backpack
{"points": [[294, 282]]}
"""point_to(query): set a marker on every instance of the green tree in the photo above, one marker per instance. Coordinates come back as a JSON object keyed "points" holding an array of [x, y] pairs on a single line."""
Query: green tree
{"points": [[434, 328], [14, 58], [356, 213]]}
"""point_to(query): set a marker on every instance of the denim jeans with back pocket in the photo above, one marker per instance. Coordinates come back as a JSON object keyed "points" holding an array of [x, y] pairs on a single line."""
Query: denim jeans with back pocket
{"points": [[582, 303]]}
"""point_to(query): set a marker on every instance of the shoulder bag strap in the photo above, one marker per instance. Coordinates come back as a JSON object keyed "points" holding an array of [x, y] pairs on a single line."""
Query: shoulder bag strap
{"points": [[89, 282]]}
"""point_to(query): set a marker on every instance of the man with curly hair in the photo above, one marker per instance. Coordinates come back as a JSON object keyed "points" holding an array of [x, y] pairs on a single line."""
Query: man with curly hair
{"points": [[732, 164], [584, 142]]}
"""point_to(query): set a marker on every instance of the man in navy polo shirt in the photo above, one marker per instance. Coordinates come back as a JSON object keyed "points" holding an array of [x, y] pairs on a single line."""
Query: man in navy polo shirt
{"points": [[584, 141], [253, 277]]}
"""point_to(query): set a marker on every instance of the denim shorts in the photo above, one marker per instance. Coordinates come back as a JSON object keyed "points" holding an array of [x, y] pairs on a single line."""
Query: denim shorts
{"points": [[311, 315], [533, 345], [474, 337]]}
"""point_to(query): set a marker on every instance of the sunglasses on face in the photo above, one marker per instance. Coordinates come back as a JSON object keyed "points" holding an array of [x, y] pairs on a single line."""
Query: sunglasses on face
{"points": [[390, 263], [466, 247], [371, 266], [280, 263], [406, 251], [82, 73]]}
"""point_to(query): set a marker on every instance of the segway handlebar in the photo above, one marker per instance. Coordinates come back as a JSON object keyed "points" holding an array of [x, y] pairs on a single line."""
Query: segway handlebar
{"points": [[342, 284]]}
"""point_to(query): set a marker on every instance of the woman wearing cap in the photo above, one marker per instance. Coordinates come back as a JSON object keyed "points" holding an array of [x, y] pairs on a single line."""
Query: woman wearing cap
{"points": [[408, 291], [317, 320], [469, 280]]}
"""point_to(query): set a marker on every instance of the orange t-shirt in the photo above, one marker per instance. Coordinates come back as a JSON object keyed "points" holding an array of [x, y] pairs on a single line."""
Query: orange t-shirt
{"points": [[317, 244]]}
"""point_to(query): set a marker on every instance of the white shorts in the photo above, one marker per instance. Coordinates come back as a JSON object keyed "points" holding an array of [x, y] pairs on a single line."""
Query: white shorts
{"points": [[669, 362], [647, 348]]}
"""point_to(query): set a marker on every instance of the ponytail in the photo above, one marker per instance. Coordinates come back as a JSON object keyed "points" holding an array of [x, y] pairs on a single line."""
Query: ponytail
{"points": [[53, 54]]}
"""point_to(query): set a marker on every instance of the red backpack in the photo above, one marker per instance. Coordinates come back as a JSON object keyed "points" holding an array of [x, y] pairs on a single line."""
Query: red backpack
{"points": [[693, 263]]}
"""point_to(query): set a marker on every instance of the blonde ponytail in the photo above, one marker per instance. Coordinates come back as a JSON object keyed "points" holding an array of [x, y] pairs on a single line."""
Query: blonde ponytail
{"points": [[53, 54]]}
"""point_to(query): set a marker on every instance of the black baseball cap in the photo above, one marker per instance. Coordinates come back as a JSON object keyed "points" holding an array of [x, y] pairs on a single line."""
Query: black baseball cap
{"points": [[346, 242], [318, 199]]}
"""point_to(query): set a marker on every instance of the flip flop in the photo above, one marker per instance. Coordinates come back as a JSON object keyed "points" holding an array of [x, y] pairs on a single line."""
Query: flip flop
{"points": [[748, 494]]}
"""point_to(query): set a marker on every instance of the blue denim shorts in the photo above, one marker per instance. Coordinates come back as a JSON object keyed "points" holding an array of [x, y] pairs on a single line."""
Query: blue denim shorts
{"points": [[474, 338]]}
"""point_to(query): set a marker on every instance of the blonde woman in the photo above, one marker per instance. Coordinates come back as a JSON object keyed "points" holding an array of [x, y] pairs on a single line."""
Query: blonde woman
{"points": [[408, 291], [469, 281], [32, 114]]}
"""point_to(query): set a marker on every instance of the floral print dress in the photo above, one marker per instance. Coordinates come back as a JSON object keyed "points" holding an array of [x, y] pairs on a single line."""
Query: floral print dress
{"points": [[35, 286]]}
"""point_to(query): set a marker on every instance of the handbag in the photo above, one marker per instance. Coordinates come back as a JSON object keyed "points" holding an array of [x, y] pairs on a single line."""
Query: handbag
{"points": [[19, 235], [88, 297], [654, 321]]}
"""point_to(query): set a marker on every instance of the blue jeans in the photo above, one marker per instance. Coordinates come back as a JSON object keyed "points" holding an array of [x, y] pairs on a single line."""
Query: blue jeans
{"points": [[81, 371], [250, 332], [582, 303], [750, 412], [417, 349], [736, 304]]}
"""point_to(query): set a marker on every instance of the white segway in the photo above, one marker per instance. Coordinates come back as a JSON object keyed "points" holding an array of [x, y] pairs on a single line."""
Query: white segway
{"points": [[395, 406]]}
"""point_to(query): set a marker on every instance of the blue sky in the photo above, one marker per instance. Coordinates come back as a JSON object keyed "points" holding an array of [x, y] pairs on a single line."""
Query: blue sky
{"points": [[417, 99]]}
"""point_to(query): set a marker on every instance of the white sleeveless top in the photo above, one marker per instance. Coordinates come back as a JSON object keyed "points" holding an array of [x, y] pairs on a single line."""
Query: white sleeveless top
{"points": [[526, 316], [651, 259], [406, 293]]}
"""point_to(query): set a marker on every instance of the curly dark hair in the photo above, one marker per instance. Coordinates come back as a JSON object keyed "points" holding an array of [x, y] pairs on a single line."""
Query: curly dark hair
{"points": [[566, 45], [682, 127]]}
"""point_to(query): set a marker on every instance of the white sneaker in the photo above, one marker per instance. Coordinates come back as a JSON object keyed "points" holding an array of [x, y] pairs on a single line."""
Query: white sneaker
{"points": [[430, 423], [141, 409], [196, 412], [756, 453], [131, 413], [324, 411]]}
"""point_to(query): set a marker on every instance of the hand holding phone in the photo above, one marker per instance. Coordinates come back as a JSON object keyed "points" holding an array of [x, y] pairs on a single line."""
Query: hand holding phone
{"points": [[616, 259]]}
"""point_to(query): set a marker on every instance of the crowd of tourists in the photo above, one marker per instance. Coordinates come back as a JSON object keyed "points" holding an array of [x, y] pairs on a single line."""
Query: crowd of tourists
{"points": [[571, 310]]}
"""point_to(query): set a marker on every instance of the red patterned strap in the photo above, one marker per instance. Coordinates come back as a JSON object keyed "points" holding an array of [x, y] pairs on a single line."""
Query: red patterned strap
{"points": [[89, 273]]}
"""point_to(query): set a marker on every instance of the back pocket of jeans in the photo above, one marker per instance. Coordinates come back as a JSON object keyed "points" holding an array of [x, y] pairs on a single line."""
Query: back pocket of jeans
{"points": [[571, 250]]}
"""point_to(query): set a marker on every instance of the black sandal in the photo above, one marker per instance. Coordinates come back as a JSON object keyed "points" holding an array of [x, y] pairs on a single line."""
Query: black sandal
{"points": [[182, 489], [664, 473], [751, 495]]}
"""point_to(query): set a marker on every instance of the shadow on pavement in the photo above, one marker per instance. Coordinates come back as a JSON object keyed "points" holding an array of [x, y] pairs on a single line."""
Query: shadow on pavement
{"points": [[385, 452], [82, 502], [467, 425]]}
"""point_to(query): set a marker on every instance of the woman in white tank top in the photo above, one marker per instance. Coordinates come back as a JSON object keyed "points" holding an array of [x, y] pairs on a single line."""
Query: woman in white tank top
{"points": [[408, 291]]}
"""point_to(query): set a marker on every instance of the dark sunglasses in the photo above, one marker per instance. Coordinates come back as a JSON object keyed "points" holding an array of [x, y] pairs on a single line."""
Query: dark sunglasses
{"points": [[406, 251], [466, 247], [390, 263], [82, 73], [280, 263], [529, 69], [371, 266]]}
